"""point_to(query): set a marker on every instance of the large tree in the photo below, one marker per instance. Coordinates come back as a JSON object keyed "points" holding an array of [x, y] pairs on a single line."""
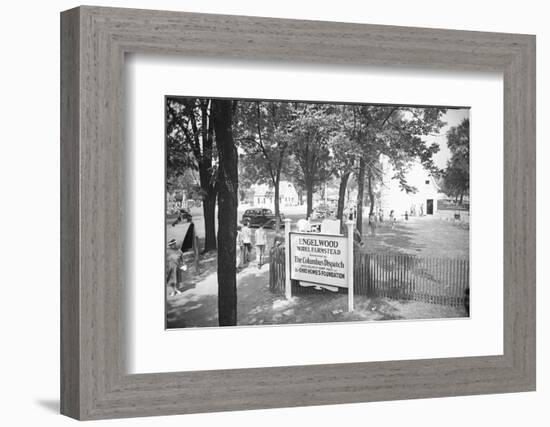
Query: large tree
{"points": [[456, 177], [264, 132], [228, 198], [313, 129], [344, 151], [190, 144], [395, 132]]}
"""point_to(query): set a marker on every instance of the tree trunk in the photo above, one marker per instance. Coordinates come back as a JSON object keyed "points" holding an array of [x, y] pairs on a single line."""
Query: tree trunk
{"points": [[360, 192], [342, 195], [461, 198], [227, 212], [206, 173], [277, 203], [309, 199], [371, 194], [209, 212]]}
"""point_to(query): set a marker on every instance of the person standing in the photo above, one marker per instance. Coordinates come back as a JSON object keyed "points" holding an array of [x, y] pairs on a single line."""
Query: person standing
{"points": [[174, 262], [392, 219], [246, 236], [239, 251], [260, 240], [372, 223]]}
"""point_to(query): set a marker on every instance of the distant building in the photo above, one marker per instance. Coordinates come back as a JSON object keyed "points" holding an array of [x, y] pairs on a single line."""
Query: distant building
{"points": [[263, 194], [421, 202]]}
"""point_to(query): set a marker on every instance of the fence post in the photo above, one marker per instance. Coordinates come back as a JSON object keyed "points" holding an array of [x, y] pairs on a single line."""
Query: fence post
{"points": [[350, 225], [288, 283]]}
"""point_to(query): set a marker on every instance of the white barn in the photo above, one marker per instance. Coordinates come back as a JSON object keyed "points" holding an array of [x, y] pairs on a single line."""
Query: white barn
{"points": [[419, 203]]}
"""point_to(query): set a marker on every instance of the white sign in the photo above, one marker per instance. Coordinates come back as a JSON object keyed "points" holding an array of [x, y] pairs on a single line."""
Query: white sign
{"points": [[319, 258], [330, 226]]}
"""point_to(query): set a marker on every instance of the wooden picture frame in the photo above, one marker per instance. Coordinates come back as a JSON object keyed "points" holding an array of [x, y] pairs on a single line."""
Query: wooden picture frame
{"points": [[94, 41]]}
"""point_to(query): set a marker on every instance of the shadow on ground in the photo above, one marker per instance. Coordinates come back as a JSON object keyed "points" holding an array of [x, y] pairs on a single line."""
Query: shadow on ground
{"points": [[52, 405]]}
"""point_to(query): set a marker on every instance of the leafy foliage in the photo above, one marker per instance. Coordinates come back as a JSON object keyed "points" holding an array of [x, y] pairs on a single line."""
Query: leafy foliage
{"points": [[457, 174], [190, 146], [313, 131]]}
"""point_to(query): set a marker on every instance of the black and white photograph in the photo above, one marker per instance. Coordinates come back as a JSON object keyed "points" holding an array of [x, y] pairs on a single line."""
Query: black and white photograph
{"points": [[260, 213], [292, 212]]}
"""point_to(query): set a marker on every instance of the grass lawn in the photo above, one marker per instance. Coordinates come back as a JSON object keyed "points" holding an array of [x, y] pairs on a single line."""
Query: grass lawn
{"points": [[422, 236]]}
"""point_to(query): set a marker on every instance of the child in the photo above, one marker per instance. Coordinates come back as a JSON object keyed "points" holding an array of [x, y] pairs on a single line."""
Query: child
{"points": [[260, 237], [174, 261], [246, 235], [372, 225]]}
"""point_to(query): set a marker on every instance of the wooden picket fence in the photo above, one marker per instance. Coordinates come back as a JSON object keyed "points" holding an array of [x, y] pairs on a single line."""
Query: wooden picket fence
{"points": [[398, 276], [277, 275]]}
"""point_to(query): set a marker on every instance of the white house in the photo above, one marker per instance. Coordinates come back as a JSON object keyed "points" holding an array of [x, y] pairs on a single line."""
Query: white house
{"points": [[419, 203], [263, 195]]}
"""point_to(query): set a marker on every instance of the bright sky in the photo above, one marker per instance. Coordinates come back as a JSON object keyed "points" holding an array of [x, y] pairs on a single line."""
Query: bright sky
{"points": [[453, 117]]}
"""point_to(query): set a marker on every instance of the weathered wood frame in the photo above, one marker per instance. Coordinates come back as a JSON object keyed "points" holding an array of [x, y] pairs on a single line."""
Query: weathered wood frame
{"points": [[94, 41]]}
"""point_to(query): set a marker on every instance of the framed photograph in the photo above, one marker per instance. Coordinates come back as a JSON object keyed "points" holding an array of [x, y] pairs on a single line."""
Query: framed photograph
{"points": [[397, 175], [262, 213]]}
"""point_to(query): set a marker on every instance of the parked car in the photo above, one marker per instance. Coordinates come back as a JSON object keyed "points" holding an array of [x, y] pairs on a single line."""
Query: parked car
{"points": [[258, 216]]}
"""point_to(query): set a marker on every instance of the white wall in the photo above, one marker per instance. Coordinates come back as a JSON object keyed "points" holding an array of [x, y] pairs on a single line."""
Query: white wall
{"points": [[29, 233]]}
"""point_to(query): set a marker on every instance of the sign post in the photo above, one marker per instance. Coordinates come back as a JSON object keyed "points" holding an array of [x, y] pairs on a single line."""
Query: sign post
{"points": [[288, 283], [350, 225], [320, 259]]}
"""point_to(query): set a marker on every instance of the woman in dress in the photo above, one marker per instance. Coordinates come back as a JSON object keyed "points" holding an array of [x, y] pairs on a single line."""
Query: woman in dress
{"points": [[174, 261], [260, 240], [392, 219]]}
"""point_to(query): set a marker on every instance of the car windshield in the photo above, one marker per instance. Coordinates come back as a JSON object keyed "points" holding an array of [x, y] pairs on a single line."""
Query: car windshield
{"points": [[267, 211]]}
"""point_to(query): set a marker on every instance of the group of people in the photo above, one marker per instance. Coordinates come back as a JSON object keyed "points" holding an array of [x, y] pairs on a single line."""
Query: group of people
{"points": [[244, 245], [413, 211], [175, 259], [245, 241], [378, 218]]}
